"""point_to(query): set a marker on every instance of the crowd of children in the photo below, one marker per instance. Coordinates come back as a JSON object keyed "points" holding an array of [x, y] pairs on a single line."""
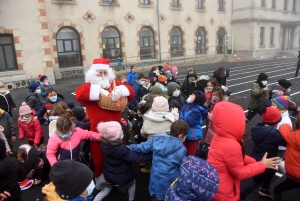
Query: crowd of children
{"points": [[165, 120]]}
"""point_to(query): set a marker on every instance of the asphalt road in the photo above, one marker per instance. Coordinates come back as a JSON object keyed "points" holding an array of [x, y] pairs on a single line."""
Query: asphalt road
{"points": [[243, 74]]}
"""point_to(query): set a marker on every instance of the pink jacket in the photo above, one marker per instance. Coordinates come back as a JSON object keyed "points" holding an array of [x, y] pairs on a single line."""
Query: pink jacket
{"points": [[58, 149], [32, 131]]}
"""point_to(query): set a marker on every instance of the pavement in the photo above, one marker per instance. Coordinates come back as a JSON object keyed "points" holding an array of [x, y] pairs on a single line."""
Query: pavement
{"points": [[243, 74]]}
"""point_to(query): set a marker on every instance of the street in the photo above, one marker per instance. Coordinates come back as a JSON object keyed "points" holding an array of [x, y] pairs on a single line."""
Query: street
{"points": [[243, 74]]}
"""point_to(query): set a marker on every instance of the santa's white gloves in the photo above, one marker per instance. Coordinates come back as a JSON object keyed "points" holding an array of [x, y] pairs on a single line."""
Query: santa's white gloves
{"points": [[115, 95], [104, 92]]}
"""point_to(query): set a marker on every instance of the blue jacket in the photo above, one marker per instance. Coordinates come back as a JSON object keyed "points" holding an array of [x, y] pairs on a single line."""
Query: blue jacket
{"points": [[168, 154], [44, 88], [193, 115], [138, 92], [131, 76], [266, 139]]}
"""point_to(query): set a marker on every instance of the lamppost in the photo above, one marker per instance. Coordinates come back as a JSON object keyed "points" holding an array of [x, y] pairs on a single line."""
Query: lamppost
{"points": [[298, 64]]}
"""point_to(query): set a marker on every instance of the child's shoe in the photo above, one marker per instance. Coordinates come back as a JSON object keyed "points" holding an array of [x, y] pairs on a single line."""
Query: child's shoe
{"points": [[265, 193], [142, 164], [145, 170]]}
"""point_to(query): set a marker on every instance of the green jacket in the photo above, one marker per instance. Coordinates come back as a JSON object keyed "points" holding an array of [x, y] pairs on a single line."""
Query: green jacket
{"points": [[258, 97]]}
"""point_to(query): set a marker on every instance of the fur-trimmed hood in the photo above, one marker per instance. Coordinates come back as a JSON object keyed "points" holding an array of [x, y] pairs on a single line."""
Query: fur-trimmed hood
{"points": [[159, 116]]}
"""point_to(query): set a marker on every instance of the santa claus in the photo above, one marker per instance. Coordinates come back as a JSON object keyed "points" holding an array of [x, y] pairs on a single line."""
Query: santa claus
{"points": [[99, 80]]}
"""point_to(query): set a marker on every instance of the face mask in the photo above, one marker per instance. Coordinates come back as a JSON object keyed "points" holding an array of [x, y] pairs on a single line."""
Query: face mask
{"points": [[142, 83], [209, 89], [2, 90], [176, 93], [139, 115], [64, 136], [26, 120], [53, 99], [264, 82], [22, 161], [170, 78], [122, 135], [90, 188], [38, 91], [288, 90], [191, 79], [188, 100], [46, 83], [213, 101]]}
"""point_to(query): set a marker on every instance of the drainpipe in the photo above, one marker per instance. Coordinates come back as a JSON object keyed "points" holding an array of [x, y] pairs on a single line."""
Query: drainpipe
{"points": [[158, 29]]}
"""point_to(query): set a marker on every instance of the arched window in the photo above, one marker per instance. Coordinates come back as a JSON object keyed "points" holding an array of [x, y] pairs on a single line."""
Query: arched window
{"points": [[221, 40], [176, 42], [111, 44], [147, 45], [200, 41], [68, 47]]}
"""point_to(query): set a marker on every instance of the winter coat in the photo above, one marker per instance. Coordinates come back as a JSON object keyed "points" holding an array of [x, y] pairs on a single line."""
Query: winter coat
{"points": [[191, 87], [285, 119], [47, 105], [118, 161], [276, 91], [146, 89], [168, 154], [292, 153], [2, 136], [85, 125], [32, 131], [44, 89], [7, 123], [34, 101], [193, 115], [225, 152], [266, 139], [173, 79], [138, 92], [258, 96], [153, 79], [6, 102], [163, 87], [177, 102], [157, 122], [58, 150], [131, 76], [11, 172], [221, 81]]}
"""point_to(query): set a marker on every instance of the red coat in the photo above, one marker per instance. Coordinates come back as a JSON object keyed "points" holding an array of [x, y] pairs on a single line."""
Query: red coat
{"points": [[225, 152], [292, 154], [32, 131], [87, 94]]}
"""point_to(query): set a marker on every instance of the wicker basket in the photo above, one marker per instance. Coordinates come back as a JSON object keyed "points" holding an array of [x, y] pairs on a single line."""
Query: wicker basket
{"points": [[105, 102]]}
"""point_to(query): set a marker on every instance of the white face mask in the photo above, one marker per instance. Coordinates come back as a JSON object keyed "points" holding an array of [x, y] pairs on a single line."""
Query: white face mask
{"points": [[90, 189], [288, 90], [2, 90], [38, 91], [122, 135]]}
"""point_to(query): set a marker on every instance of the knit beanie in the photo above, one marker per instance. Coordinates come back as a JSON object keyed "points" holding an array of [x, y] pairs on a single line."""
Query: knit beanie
{"points": [[2, 149], [78, 112], [1, 85], [191, 73], [283, 102], [200, 97], [160, 104], [110, 130], [262, 76], [197, 180], [284, 83], [24, 109], [167, 67], [156, 90], [70, 178], [270, 115], [171, 87], [162, 78], [42, 77], [33, 86], [168, 74]]}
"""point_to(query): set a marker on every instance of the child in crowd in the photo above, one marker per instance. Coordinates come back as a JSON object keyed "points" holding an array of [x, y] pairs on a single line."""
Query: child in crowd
{"points": [[146, 85], [51, 99], [131, 75], [291, 179], [211, 84], [7, 103], [218, 95], [64, 144], [60, 109], [70, 180], [202, 83], [118, 161], [174, 71], [9, 128], [220, 75], [80, 118], [193, 113], [227, 72], [167, 67], [168, 154], [33, 100], [32, 130], [189, 84], [11, 172], [259, 93], [176, 100], [122, 78], [2, 136], [170, 77], [197, 180], [138, 125], [153, 74], [162, 83], [283, 88], [34, 162], [45, 85], [227, 152], [266, 139]]}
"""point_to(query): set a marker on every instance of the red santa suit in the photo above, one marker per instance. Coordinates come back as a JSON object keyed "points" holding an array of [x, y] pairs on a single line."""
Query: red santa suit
{"points": [[88, 94]]}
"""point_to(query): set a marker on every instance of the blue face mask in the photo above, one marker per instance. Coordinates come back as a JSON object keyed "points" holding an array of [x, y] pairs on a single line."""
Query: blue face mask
{"points": [[176, 93], [142, 83], [264, 82], [53, 99], [64, 136], [188, 100], [191, 79]]}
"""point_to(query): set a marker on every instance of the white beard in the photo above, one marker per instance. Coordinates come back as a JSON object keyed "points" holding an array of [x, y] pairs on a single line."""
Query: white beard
{"points": [[105, 82]]}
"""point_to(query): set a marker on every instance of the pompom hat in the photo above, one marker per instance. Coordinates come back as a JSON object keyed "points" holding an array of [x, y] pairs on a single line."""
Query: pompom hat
{"points": [[24, 109], [162, 78], [100, 64], [110, 130], [42, 77], [271, 116], [283, 101], [167, 66], [160, 104]]}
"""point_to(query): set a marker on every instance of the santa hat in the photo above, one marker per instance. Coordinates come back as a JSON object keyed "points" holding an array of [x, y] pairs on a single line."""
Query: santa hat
{"points": [[100, 64]]}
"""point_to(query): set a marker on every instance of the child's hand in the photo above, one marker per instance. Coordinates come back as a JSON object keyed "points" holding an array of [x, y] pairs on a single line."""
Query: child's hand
{"points": [[136, 137], [175, 109], [13, 138], [270, 163], [34, 118], [4, 195], [9, 153], [15, 109], [298, 109]]}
